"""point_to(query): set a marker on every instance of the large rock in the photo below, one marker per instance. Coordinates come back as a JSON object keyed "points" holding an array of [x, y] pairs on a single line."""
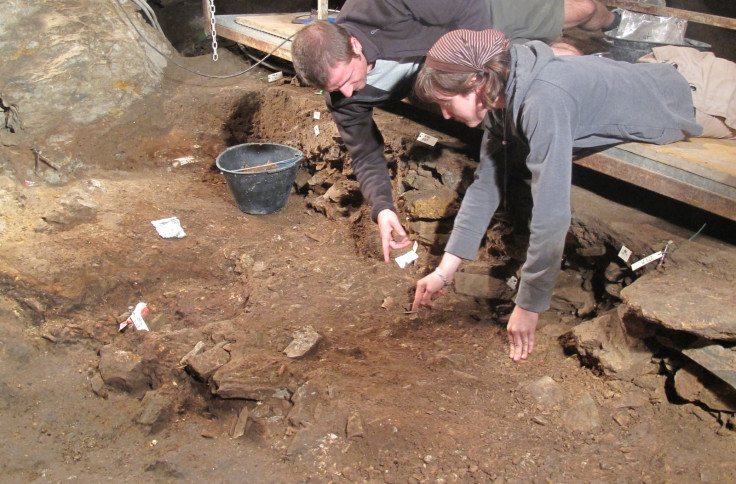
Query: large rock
{"points": [[604, 342], [123, 370], [79, 53], [256, 376], [685, 299]]}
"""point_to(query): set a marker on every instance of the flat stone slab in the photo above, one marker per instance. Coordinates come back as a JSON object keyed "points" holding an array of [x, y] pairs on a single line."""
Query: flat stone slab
{"points": [[685, 299]]}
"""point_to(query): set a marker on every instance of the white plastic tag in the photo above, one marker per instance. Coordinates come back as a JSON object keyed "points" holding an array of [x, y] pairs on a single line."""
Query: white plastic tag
{"points": [[408, 258], [624, 253], [646, 260], [427, 139]]}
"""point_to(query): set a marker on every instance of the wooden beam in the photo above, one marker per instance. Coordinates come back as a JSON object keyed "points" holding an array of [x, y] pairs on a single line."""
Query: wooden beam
{"points": [[322, 10], [697, 17]]}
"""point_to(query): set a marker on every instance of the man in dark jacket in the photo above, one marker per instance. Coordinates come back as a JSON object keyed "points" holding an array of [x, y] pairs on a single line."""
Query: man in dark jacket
{"points": [[372, 52]]}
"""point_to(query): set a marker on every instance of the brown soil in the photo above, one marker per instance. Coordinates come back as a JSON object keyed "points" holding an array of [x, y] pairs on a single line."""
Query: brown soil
{"points": [[392, 397]]}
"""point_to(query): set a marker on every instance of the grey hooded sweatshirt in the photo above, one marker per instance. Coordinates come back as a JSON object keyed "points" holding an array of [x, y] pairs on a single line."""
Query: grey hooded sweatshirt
{"points": [[556, 104]]}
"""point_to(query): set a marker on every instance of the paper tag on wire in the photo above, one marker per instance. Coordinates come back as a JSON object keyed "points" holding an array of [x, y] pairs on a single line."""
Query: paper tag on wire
{"points": [[646, 260], [427, 139], [624, 253]]}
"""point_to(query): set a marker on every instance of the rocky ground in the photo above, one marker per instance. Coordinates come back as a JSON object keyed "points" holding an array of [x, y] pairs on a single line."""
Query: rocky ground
{"points": [[615, 391]]}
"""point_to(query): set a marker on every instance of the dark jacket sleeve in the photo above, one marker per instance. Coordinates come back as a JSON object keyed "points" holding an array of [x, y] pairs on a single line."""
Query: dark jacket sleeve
{"points": [[354, 120]]}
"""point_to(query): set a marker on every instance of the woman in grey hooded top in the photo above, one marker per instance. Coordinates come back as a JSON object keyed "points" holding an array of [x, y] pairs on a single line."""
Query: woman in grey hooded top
{"points": [[554, 105]]}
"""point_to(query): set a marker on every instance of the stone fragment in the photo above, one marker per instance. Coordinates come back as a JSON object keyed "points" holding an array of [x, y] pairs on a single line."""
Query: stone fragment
{"points": [[433, 205], [545, 392], [123, 370], [306, 399], [696, 385], [354, 428], [238, 429], [304, 341], [256, 376], [198, 349], [205, 364], [481, 286], [582, 416], [98, 385], [570, 297], [154, 406], [604, 342], [683, 301]]}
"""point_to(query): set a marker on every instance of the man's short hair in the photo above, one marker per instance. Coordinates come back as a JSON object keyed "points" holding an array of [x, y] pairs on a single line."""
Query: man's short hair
{"points": [[318, 47]]}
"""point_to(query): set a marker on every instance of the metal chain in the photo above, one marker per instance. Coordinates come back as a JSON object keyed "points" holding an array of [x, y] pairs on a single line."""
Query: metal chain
{"points": [[213, 30]]}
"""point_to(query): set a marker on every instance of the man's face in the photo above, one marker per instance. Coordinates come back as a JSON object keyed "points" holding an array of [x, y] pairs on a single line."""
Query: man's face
{"points": [[348, 77], [465, 108]]}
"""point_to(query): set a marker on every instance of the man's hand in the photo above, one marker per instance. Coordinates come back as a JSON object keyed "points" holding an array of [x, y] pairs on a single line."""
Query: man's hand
{"points": [[520, 329], [388, 223]]}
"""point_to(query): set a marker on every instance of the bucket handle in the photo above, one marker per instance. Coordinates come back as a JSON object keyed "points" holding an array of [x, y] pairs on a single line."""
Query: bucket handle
{"points": [[278, 163]]}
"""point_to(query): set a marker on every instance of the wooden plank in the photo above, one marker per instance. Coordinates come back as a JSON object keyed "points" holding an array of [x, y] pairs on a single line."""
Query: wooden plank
{"points": [[322, 9], [279, 25], [699, 192], [697, 17], [710, 158]]}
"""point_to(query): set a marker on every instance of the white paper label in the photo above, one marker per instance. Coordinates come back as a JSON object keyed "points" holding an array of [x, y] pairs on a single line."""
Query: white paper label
{"points": [[512, 282], [316, 115], [275, 76], [624, 253], [408, 258], [427, 139], [646, 260], [169, 228], [316, 130]]}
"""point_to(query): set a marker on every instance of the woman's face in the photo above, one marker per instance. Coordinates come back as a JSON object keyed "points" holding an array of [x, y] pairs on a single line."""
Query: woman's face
{"points": [[465, 108]]}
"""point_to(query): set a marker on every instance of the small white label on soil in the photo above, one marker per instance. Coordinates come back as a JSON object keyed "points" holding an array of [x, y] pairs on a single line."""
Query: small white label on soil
{"points": [[427, 139], [624, 253], [316, 115], [275, 76], [512, 282], [169, 228], [316, 130], [408, 258], [646, 260]]}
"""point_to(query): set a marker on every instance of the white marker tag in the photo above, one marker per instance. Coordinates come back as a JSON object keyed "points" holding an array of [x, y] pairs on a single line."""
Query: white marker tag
{"points": [[427, 139], [512, 282], [646, 260], [624, 253], [275, 76], [316, 130], [316, 115], [408, 258]]}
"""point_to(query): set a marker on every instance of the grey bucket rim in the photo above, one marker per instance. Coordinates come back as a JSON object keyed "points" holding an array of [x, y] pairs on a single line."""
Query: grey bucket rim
{"points": [[298, 155]]}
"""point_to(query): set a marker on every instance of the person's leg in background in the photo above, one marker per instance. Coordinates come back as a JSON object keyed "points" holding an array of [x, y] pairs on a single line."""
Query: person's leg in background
{"points": [[589, 15]]}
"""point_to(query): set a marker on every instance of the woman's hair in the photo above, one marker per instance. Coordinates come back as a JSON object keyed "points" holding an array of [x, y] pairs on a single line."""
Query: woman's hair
{"points": [[432, 83], [318, 47]]}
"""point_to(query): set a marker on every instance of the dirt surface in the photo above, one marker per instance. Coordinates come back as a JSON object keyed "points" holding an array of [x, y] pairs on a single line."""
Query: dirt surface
{"points": [[384, 396]]}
